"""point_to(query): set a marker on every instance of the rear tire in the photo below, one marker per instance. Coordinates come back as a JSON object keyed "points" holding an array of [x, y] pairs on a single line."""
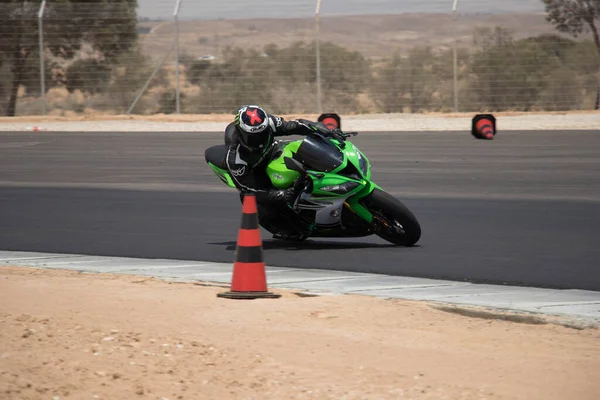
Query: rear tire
{"points": [[393, 221]]}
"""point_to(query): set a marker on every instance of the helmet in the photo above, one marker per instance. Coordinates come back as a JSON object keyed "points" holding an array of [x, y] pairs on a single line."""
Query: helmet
{"points": [[253, 130]]}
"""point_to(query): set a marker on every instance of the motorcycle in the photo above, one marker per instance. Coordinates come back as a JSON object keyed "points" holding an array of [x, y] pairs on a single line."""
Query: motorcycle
{"points": [[337, 197]]}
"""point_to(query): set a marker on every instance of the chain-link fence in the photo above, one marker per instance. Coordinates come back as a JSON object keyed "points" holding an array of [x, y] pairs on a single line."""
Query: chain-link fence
{"points": [[297, 56]]}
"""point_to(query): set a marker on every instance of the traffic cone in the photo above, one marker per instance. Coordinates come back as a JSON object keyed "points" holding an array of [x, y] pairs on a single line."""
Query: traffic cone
{"points": [[331, 120], [249, 278], [484, 126]]}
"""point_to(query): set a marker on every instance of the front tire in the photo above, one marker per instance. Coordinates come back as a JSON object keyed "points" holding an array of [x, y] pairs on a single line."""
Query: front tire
{"points": [[393, 221]]}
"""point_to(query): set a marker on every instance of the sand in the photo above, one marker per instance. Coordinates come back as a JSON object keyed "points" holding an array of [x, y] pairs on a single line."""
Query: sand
{"points": [[71, 335]]}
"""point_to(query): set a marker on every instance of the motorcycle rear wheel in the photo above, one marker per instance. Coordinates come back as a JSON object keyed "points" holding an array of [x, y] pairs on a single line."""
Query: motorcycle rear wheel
{"points": [[393, 221]]}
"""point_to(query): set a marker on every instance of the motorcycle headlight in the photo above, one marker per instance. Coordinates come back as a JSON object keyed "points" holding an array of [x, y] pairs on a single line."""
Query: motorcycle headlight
{"points": [[342, 188]]}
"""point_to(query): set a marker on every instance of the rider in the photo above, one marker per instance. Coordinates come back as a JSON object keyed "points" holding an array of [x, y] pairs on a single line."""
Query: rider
{"points": [[247, 151]]}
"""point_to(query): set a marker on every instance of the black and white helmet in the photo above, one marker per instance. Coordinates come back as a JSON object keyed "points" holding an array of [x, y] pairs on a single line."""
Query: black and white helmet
{"points": [[254, 130]]}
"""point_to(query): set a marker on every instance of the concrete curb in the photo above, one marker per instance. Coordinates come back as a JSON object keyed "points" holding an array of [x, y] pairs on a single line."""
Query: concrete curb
{"points": [[576, 308]]}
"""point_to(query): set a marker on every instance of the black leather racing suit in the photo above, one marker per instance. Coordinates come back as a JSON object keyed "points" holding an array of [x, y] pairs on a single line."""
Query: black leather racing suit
{"points": [[248, 169]]}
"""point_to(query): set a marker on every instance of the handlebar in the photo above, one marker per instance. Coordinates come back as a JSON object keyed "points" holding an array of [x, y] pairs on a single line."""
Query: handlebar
{"points": [[323, 129]]}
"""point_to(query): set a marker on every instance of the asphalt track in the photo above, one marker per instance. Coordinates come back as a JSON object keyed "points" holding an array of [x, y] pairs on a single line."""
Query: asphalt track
{"points": [[520, 210]]}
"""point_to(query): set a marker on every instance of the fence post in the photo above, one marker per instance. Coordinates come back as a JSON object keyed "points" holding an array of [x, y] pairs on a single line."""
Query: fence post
{"points": [[317, 27], [455, 62], [41, 49], [176, 22]]}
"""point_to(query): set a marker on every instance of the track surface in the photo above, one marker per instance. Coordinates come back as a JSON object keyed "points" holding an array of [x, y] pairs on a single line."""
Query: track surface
{"points": [[521, 210]]}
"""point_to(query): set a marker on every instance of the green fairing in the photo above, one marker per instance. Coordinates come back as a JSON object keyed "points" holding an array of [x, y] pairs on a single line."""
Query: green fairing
{"points": [[357, 207], [223, 175], [280, 176], [333, 178], [352, 154]]}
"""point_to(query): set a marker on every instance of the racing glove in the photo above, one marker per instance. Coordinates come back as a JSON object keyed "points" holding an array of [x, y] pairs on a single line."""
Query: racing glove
{"points": [[287, 195], [282, 195], [337, 134]]}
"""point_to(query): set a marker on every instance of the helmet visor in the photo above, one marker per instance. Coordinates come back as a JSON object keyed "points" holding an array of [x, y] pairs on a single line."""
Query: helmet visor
{"points": [[254, 140]]}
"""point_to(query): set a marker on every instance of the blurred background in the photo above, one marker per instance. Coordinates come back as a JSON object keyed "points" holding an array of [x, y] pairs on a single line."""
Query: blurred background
{"points": [[69, 58]]}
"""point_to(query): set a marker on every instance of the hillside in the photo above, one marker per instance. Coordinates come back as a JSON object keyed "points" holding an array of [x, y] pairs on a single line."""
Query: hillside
{"points": [[374, 36]]}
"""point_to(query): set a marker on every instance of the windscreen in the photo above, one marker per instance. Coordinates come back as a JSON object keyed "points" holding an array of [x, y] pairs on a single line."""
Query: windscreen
{"points": [[319, 154]]}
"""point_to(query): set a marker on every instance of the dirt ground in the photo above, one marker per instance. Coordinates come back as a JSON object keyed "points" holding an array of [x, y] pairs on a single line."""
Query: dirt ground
{"points": [[69, 335]]}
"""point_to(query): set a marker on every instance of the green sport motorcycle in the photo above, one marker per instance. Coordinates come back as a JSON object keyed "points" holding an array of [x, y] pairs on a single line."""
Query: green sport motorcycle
{"points": [[338, 198]]}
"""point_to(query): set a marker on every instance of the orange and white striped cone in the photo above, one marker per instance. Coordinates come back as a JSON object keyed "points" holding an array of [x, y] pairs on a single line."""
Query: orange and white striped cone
{"points": [[331, 120], [249, 277], [483, 126]]}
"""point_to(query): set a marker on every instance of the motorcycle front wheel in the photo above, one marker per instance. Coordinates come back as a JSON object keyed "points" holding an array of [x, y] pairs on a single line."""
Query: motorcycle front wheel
{"points": [[392, 220]]}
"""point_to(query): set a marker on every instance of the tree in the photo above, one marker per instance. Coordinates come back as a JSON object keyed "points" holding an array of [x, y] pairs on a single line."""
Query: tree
{"points": [[88, 75], [575, 17], [387, 89], [414, 82], [107, 26], [281, 79], [506, 74]]}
